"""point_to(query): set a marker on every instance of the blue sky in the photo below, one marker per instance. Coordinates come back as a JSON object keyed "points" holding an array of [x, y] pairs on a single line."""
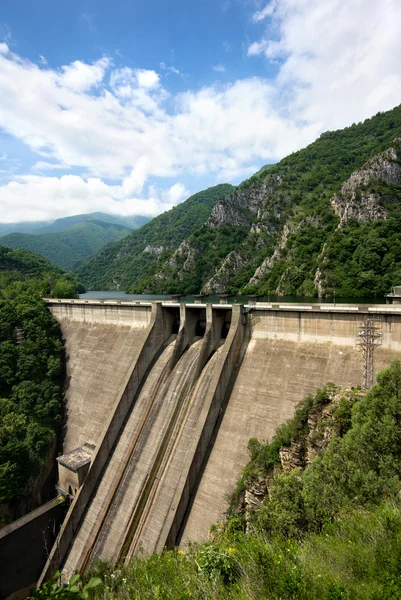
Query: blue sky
{"points": [[130, 107]]}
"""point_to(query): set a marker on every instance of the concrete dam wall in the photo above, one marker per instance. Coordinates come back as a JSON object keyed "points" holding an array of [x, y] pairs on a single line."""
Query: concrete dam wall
{"points": [[168, 396]]}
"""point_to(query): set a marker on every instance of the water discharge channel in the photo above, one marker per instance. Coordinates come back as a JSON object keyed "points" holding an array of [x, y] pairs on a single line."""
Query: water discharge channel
{"points": [[117, 518]]}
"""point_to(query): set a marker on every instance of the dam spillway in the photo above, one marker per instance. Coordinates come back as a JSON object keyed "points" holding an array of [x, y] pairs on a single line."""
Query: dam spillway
{"points": [[172, 430]]}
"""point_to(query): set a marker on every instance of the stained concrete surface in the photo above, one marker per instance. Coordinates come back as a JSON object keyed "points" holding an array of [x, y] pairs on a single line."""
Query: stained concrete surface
{"points": [[274, 376], [99, 359]]}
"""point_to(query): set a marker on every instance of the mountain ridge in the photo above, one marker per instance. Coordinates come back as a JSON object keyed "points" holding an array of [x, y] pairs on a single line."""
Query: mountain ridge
{"points": [[325, 218]]}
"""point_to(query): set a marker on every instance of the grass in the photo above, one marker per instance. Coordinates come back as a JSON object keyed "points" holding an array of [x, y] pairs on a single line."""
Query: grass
{"points": [[356, 557]]}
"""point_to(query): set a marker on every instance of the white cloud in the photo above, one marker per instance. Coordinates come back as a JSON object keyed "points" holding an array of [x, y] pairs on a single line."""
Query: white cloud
{"points": [[171, 68], [80, 77], [334, 63], [71, 194], [42, 60], [219, 68], [267, 11], [46, 166], [338, 60], [147, 78]]}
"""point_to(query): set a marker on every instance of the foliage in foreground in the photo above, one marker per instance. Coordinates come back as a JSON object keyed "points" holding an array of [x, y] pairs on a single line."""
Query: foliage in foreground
{"points": [[31, 378], [357, 557], [332, 531], [31, 371]]}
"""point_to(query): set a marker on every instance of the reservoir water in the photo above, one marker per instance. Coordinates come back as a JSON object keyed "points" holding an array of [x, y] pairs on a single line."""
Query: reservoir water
{"points": [[215, 299]]}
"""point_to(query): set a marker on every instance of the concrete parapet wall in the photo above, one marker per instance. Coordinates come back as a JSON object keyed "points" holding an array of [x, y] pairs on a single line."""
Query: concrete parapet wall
{"points": [[338, 328], [25, 544], [157, 333], [102, 313]]}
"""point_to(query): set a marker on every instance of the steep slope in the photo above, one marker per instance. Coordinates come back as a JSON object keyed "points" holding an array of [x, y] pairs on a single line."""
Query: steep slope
{"points": [[140, 254], [67, 247], [325, 218], [23, 264]]}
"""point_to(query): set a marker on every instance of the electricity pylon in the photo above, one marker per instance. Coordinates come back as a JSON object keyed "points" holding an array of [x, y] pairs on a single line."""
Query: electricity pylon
{"points": [[370, 336]]}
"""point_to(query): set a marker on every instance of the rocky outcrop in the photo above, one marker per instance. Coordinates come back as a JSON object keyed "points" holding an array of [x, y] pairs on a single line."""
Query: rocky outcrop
{"points": [[322, 425], [268, 263], [238, 209], [220, 282], [355, 200], [155, 250], [182, 261]]}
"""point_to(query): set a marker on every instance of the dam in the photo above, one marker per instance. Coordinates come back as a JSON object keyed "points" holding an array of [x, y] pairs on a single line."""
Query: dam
{"points": [[162, 398]]}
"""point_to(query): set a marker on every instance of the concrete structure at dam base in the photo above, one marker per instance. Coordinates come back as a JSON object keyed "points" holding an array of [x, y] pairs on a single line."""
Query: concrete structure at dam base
{"points": [[168, 395]]}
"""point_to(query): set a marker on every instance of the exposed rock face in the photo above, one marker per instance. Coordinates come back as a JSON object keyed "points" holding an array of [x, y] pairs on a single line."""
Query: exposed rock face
{"points": [[237, 209], [254, 496], [355, 201], [292, 457], [183, 259], [155, 250], [219, 283], [268, 263]]}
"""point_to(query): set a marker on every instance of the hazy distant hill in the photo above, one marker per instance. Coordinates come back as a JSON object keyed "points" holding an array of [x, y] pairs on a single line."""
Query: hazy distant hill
{"points": [[66, 222], [67, 247], [132, 222]]}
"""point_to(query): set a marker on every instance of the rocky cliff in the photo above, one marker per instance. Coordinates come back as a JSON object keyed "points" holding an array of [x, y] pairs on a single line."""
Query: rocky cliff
{"points": [[325, 419]]}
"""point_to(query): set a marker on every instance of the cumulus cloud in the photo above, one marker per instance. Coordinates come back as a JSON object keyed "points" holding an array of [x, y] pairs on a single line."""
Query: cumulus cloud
{"points": [[338, 60], [333, 63], [71, 194], [80, 77], [219, 68]]}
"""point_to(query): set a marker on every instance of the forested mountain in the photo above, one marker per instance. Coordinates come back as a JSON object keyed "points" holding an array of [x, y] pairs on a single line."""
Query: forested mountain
{"points": [[121, 265], [27, 269], [130, 222], [67, 247], [325, 218]]}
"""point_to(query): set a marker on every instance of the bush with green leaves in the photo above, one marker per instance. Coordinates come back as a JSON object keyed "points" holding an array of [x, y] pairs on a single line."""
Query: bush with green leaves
{"points": [[31, 380], [75, 589]]}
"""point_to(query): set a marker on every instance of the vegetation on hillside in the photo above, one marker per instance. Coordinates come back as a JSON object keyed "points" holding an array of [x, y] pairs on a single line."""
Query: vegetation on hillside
{"points": [[311, 177], [68, 247], [328, 531], [360, 258], [130, 222], [122, 264], [37, 272]]}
